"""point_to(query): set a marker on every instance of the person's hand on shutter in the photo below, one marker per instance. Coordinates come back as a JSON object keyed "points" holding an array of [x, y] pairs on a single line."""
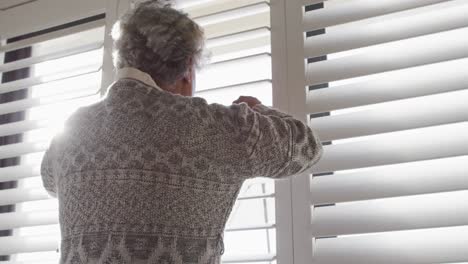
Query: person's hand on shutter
{"points": [[249, 100]]}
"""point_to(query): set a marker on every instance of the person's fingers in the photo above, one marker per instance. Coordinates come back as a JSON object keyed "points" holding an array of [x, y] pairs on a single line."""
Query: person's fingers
{"points": [[249, 100], [241, 99], [238, 100]]}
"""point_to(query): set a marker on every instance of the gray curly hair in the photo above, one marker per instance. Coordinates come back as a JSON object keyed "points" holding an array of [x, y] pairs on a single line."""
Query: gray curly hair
{"points": [[159, 40]]}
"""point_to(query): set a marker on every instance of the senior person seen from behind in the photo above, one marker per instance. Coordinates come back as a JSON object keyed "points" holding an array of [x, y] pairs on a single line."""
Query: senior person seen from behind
{"points": [[150, 174]]}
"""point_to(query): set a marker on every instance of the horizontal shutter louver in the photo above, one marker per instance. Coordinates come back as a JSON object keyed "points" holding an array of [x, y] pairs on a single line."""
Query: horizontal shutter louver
{"points": [[24, 83], [404, 54], [391, 181], [405, 146], [440, 245], [18, 172], [395, 116], [402, 84], [340, 12]]}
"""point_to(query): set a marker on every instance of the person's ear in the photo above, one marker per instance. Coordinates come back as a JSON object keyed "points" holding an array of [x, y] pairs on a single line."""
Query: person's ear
{"points": [[188, 82]]}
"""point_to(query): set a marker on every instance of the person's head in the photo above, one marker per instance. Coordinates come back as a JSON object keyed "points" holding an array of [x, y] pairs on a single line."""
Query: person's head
{"points": [[161, 41]]}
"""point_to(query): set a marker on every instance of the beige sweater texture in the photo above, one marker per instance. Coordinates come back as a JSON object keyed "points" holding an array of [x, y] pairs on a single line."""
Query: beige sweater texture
{"points": [[147, 176]]}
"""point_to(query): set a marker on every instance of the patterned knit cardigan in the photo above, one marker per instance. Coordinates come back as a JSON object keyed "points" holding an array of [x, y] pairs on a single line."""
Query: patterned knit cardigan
{"points": [[147, 176]]}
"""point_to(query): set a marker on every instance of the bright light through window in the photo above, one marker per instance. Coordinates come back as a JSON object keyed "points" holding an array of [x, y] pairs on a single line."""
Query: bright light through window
{"points": [[76, 83]]}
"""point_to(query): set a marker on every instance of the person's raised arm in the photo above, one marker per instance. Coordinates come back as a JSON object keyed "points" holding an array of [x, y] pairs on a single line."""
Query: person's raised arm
{"points": [[274, 144]]}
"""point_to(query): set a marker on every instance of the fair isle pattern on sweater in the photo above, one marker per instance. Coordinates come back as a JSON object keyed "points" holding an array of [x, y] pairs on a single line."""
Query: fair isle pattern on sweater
{"points": [[146, 176]]}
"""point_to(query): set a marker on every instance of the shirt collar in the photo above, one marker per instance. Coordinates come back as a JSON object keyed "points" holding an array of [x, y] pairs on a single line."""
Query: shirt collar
{"points": [[136, 74]]}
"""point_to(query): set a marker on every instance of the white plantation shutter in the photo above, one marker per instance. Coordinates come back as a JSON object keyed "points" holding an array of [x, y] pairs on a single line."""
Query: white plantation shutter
{"points": [[67, 70], [388, 96]]}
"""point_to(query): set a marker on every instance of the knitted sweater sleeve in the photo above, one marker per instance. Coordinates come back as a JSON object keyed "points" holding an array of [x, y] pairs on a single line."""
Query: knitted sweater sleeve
{"points": [[275, 143]]}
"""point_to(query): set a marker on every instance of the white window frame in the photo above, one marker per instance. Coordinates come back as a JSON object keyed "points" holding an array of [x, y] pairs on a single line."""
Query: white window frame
{"points": [[293, 206]]}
